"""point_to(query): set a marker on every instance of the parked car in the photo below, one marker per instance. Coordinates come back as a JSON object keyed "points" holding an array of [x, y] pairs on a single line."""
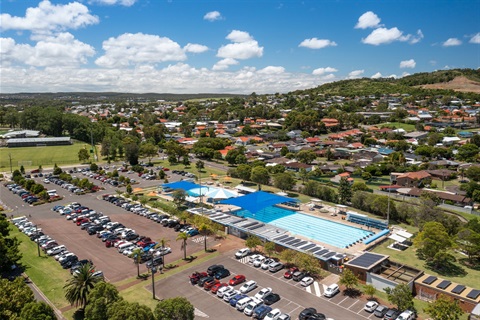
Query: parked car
{"points": [[298, 275], [242, 253], [306, 281], [380, 311], [273, 315], [317, 316], [197, 276], [250, 307], [391, 314], [262, 293], [208, 284], [218, 286], [289, 273], [214, 269], [266, 263], [248, 286], [258, 261], [331, 290], [370, 306], [229, 294], [406, 315], [222, 273], [202, 281], [224, 290], [261, 311], [306, 313], [275, 266], [271, 298], [239, 296]]}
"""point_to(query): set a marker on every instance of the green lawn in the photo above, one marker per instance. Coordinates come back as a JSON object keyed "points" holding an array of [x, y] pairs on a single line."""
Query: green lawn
{"points": [[397, 125], [32, 157], [44, 271]]}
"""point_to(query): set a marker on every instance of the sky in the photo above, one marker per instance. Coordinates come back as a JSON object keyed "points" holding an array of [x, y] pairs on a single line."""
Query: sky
{"points": [[228, 46]]}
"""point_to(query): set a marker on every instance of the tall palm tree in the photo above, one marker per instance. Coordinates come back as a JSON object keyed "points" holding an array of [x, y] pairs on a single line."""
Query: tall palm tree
{"points": [[184, 237], [78, 287], [136, 255], [162, 243]]}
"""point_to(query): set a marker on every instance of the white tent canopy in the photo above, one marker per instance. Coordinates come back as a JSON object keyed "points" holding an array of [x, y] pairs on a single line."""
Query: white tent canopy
{"points": [[404, 234], [396, 237], [221, 194]]}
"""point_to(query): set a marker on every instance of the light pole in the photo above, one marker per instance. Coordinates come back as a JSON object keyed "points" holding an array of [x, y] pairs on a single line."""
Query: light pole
{"points": [[153, 269], [38, 243]]}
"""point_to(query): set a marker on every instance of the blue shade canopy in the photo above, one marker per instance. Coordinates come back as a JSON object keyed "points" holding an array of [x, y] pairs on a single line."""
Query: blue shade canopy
{"points": [[256, 201], [184, 185]]}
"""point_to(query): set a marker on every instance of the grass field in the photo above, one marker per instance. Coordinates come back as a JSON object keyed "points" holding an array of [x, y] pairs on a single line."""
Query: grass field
{"points": [[32, 157], [397, 125]]}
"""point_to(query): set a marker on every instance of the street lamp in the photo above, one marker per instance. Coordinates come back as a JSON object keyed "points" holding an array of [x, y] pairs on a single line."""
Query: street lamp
{"points": [[38, 243]]}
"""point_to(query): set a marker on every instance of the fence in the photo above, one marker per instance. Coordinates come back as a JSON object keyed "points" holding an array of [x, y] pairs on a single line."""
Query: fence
{"points": [[33, 164]]}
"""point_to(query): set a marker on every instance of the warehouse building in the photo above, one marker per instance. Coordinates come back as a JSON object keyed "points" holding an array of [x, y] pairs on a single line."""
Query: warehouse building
{"points": [[38, 142]]}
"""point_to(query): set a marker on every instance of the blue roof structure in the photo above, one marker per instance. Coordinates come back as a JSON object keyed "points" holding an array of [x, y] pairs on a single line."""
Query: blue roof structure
{"points": [[385, 151], [185, 185], [256, 201]]}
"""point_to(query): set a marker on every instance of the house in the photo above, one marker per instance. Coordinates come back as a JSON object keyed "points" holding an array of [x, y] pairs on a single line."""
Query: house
{"points": [[413, 179], [296, 166], [294, 134], [344, 175], [418, 135], [448, 141], [355, 145]]}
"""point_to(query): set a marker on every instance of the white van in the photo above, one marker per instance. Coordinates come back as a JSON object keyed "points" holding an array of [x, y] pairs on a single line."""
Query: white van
{"points": [[16, 221], [52, 192], [242, 303], [124, 246]]}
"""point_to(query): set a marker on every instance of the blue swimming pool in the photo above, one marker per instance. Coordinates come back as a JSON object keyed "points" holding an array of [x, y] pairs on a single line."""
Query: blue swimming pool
{"points": [[311, 227]]}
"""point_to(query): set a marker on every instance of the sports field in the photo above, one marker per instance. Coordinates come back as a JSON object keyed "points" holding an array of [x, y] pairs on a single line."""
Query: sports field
{"points": [[32, 157]]}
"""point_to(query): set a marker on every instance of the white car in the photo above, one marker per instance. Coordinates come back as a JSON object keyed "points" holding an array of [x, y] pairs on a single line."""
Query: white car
{"points": [[248, 286], [331, 290], [262, 293], [273, 315], [258, 262], [370, 306], [406, 315], [253, 257], [61, 254], [230, 294], [62, 258], [56, 250], [266, 263], [242, 253], [248, 311], [222, 291], [306, 281], [164, 251]]}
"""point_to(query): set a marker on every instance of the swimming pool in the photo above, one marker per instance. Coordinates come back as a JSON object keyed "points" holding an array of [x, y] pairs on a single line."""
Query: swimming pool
{"points": [[318, 229]]}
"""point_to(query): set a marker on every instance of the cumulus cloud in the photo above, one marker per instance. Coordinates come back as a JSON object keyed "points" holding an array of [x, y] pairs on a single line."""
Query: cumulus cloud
{"points": [[320, 71], [126, 3], [383, 36], [376, 75], [212, 16], [368, 20], [404, 74], [408, 64], [61, 50], [134, 49], [452, 42], [224, 64], [48, 18], [475, 39], [195, 48], [355, 74], [315, 43], [244, 47], [417, 38], [272, 70]]}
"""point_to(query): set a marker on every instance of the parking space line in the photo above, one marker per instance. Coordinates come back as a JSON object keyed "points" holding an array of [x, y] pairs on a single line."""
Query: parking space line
{"points": [[308, 289], [318, 293], [342, 301], [353, 304]]}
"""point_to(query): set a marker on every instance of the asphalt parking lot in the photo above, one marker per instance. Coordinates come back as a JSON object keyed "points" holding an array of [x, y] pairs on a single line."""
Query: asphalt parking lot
{"points": [[294, 297]]}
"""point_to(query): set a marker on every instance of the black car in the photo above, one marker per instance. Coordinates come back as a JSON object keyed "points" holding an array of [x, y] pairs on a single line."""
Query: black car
{"points": [[178, 227], [317, 316], [222, 273], [271, 298], [68, 263], [155, 262], [173, 223], [214, 269], [77, 265], [131, 236], [202, 281], [93, 229], [299, 275], [306, 313]]}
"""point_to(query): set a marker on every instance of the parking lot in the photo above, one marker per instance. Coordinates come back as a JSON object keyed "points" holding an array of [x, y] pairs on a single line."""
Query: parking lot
{"points": [[294, 297]]}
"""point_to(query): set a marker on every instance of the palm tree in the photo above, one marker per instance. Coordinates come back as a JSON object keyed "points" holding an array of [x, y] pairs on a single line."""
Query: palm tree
{"points": [[78, 287], [136, 255], [205, 229], [184, 237], [162, 243]]}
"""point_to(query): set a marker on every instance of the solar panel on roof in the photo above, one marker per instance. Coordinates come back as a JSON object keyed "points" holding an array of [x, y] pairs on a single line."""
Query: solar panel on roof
{"points": [[281, 237], [429, 280], [314, 249], [287, 239], [321, 252], [311, 245], [328, 255], [366, 260], [301, 243], [473, 294], [294, 241], [458, 289], [444, 284]]}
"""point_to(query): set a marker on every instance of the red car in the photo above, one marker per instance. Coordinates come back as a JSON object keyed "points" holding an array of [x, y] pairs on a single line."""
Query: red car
{"points": [[217, 286], [209, 284], [289, 273], [197, 276], [237, 280]]}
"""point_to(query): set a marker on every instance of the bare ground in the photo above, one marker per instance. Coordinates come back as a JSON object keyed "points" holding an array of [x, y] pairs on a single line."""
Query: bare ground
{"points": [[461, 84]]}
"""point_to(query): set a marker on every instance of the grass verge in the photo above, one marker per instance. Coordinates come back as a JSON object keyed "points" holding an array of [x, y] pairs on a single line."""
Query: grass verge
{"points": [[44, 271]]}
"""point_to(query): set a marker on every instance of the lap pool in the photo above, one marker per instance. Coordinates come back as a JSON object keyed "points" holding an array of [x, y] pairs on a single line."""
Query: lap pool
{"points": [[314, 228]]}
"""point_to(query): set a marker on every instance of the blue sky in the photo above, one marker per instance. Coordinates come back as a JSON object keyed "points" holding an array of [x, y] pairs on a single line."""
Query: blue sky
{"points": [[229, 46]]}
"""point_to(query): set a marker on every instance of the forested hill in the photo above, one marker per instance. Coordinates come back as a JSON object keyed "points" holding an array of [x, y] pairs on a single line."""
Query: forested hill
{"points": [[464, 80]]}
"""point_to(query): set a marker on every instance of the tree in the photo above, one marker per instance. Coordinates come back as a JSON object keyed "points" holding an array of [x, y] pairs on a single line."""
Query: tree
{"points": [[303, 174], [163, 243], [183, 236], [345, 191], [37, 311], [136, 256], [469, 242], [83, 155], [10, 254], [306, 156], [200, 165], [284, 181], [468, 152], [244, 172], [132, 149], [401, 296], [122, 310], [269, 248], [370, 290], [205, 227], [129, 189], [260, 175], [148, 150], [102, 296], [288, 255], [432, 240], [14, 295], [444, 309], [252, 242], [231, 156], [179, 196], [348, 279], [178, 308], [309, 263], [473, 173], [79, 286], [56, 169]]}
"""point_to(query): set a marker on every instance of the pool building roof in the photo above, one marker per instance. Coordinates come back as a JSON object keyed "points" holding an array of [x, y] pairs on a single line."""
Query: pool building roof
{"points": [[185, 185], [257, 201], [367, 260]]}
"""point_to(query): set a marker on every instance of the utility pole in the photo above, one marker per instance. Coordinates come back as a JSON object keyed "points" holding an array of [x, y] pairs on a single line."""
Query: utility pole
{"points": [[38, 244], [153, 269], [388, 207], [10, 157]]}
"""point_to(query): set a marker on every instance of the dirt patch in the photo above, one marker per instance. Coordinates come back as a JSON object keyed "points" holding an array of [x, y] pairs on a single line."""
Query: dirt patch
{"points": [[461, 84]]}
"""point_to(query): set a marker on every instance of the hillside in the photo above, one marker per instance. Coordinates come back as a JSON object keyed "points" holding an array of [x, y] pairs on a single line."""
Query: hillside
{"points": [[461, 84]]}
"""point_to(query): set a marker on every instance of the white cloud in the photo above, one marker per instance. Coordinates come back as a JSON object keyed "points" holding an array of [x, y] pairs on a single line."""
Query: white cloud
{"points": [[418, 38], [272, 70], [195, 48], [475, 38], [61, 50], [243, 47], [212, 16], [355, 74], [408, 64], [383, 35], [48, 18], [368, 20], [376, 75], [132, 49], [394, 76], [451, 42], [224, 64], [126, 3], [315, 43], [320, 71], [404, 74]]}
